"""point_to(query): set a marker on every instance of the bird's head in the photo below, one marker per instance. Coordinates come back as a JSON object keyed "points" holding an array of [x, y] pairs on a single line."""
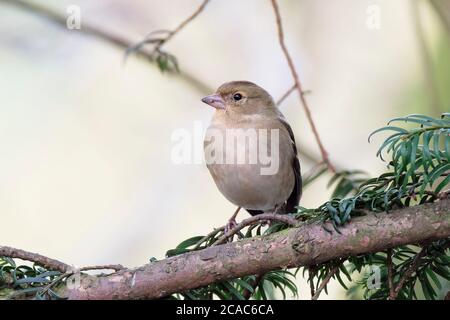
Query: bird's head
{"points": [[241, 97]]}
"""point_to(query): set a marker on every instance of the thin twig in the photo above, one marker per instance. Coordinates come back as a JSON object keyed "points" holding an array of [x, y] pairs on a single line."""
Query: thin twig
{"points": [[327, 279], [311, 273], [160, 42], [208, 236], [412, 268], [51, 264], [113, 39], [443, 11], [390, 269], [286, 94], [184, 23], [255, 283], [427, 61], [47, 263], [299, 86], [260, 217], [115, 267]]}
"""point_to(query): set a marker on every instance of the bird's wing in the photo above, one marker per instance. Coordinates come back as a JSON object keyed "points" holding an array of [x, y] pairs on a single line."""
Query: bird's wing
{"points": [[294, 199]]}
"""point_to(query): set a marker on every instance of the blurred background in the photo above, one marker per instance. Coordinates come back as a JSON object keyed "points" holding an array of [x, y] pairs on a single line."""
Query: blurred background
{"points": [[85, 160]]}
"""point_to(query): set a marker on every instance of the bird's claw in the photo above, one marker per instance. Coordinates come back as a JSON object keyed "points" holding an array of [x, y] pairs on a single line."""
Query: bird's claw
{"points": [[230, 225]]}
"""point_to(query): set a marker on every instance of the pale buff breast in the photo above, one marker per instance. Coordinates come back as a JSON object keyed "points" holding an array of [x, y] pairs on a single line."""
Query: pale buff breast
{"points": [[251, 185]]}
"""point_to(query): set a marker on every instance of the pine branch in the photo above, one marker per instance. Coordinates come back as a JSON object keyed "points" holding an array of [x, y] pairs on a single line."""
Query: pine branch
{"points": [[306, 245]]}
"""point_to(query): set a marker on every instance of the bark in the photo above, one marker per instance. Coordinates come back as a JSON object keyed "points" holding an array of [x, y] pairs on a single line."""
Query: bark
{"points": [[305, 245], [442, 8]]}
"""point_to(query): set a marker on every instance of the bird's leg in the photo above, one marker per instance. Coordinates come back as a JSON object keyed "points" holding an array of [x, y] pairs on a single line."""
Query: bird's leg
{"points": [[274, 213], [232, 221]]}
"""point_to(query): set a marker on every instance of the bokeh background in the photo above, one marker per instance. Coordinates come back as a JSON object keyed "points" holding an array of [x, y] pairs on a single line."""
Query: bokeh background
{"points": [[85, 160]]}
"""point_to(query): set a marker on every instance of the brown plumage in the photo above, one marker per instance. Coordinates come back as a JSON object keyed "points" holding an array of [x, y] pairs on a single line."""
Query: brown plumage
{"points": [[244, 105]]}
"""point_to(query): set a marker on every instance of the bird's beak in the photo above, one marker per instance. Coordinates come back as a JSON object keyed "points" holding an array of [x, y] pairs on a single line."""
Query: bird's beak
{"points": [[215, 101]]}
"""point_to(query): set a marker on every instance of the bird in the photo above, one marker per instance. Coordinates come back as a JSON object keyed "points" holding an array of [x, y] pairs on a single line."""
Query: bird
{"points": [[242, 107]]}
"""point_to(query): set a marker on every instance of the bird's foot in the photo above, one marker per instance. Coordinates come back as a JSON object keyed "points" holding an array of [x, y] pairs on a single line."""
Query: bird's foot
{"points": [[231, 224]]}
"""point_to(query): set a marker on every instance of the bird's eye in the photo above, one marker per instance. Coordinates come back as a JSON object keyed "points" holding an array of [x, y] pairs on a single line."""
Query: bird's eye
{"points": [[237, 96]]}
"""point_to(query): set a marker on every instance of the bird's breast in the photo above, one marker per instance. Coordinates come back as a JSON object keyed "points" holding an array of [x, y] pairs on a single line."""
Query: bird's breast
{"points": [[250, 163]]}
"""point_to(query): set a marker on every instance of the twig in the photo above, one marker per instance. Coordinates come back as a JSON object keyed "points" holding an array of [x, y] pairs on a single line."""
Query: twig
{"points": [[427, 61], [51, 264], [208, 236], [41, 260], [170, 33], [327, 279], [286, 94], [113, 39], [412, 268], [299, 86], [443, 10], [184, 23], [260, 217], [255, 283], [390, 274], [115, 267], [311, 273]]}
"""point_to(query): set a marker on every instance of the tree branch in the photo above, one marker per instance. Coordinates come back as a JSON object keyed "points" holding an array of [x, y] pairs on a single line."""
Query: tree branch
{"points": [[390, 274], [286, 94], [45, 262], [412, 268], [255, 283], [442, 8], [327, 279], [185, 22], [306, 245], [429, 82], [111, 38], [260, 217]]}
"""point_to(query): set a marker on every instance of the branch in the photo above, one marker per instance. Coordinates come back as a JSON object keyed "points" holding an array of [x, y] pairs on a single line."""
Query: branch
{"points": [[185, 22], [311, 273], [298, 86], [442, 8], [412, 268], [260, 217], [306, 245], [326, 280], [159, 41], [255, 283], [427, 61], [390, 274], [52, 264], [45, 262], [286, 94], [113, 39]]}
